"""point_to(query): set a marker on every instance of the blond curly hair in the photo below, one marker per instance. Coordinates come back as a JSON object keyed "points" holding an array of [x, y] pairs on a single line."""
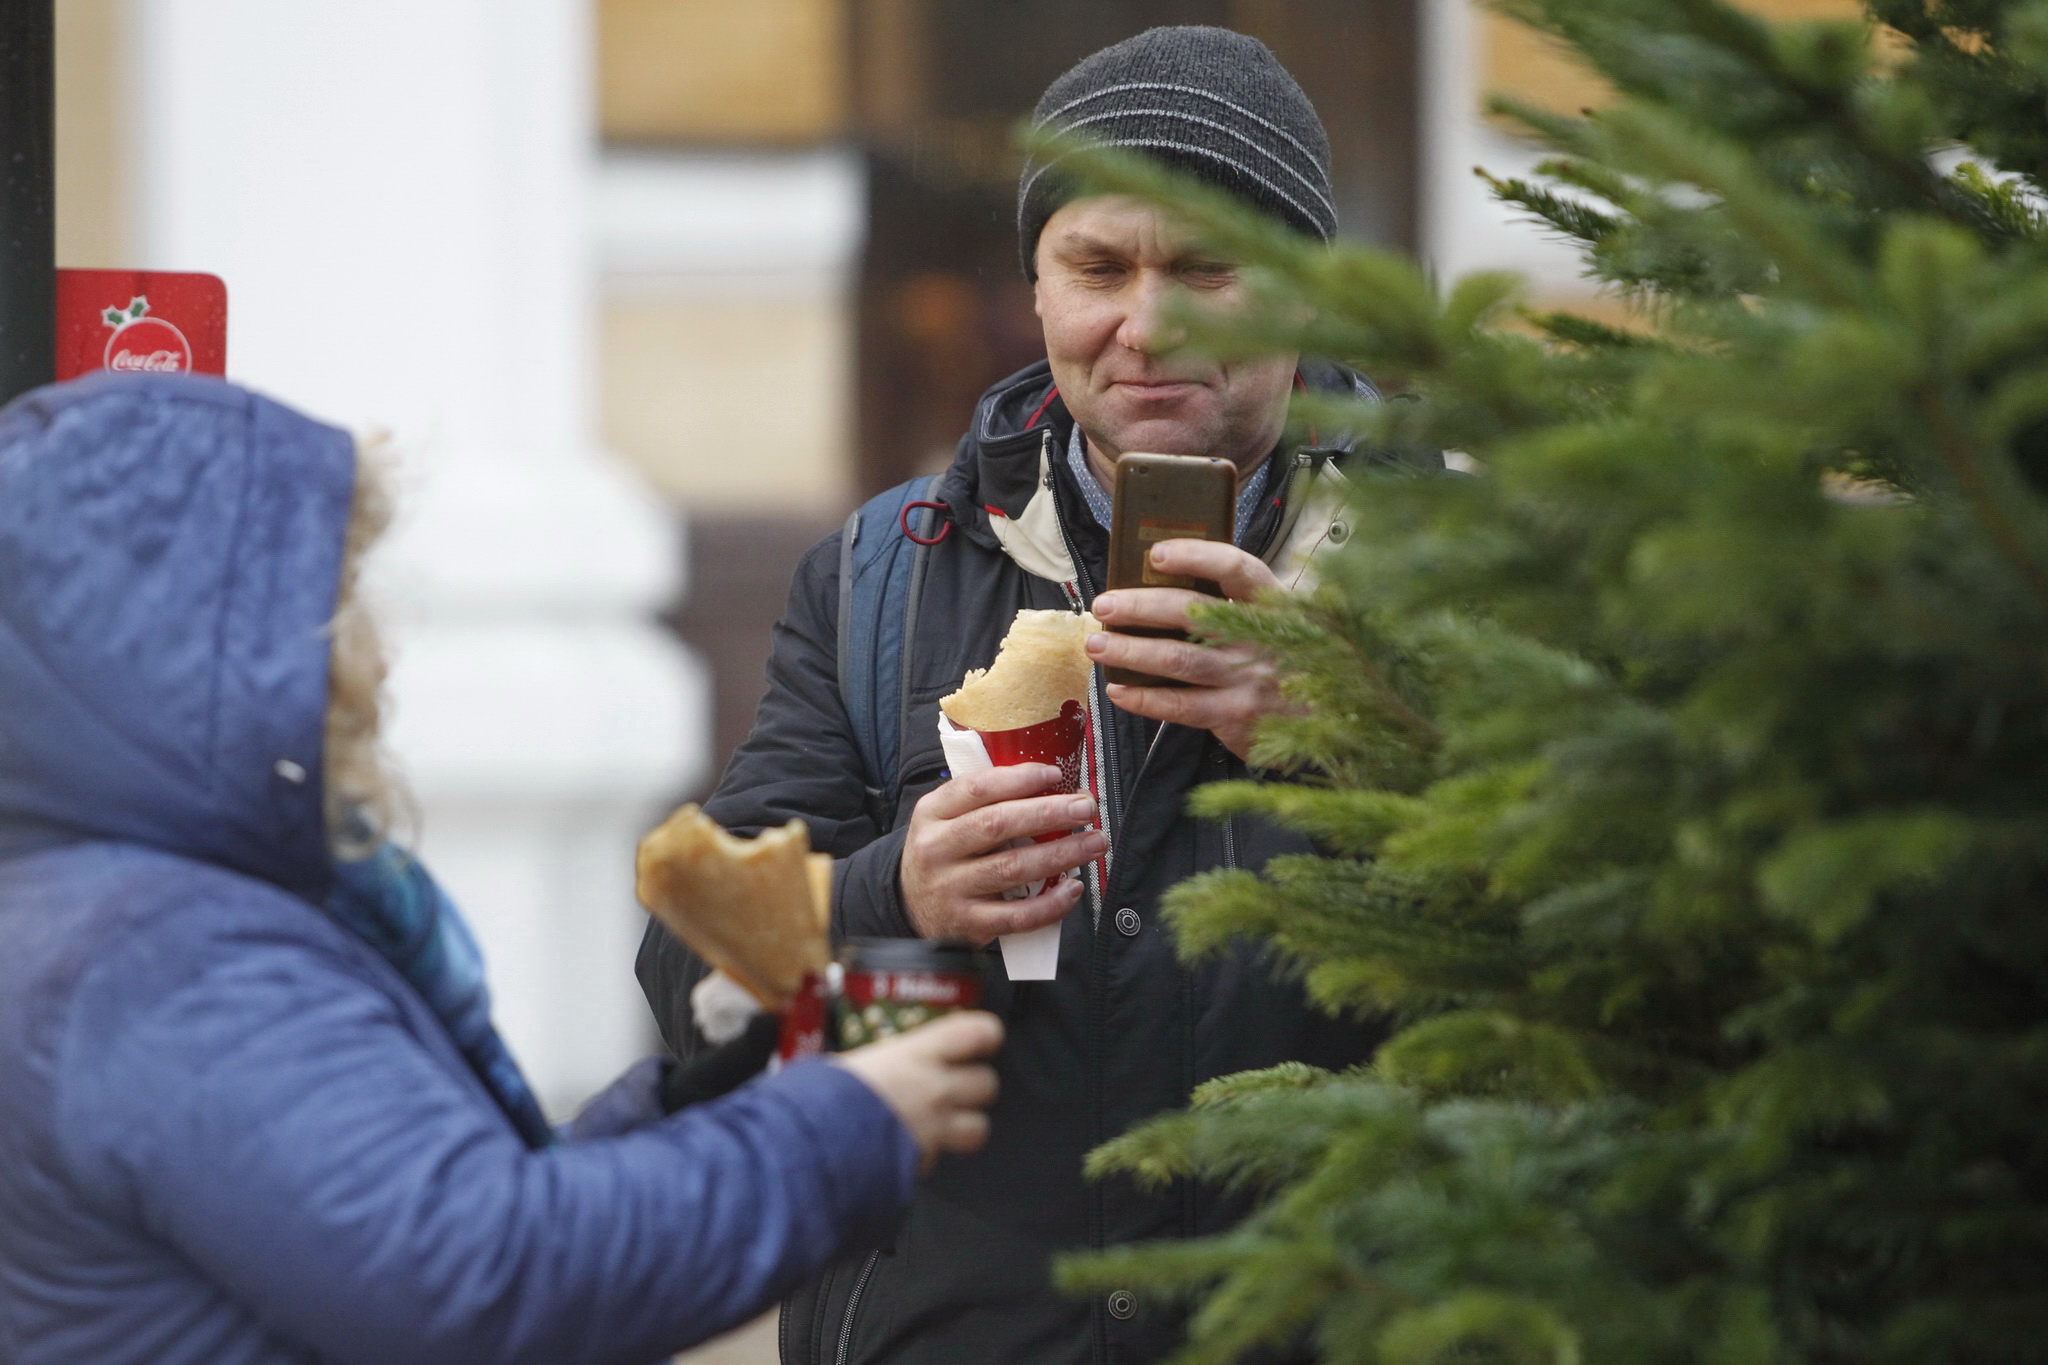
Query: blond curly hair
{"points": [[365, 801]]}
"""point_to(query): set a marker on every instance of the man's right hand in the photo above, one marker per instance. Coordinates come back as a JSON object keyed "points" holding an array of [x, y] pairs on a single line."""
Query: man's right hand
{"points": [[957, 859]]}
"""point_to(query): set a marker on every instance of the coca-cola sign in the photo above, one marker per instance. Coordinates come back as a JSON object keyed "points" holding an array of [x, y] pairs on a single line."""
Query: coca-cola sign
{"points": [[140, 322], [142, 344]]}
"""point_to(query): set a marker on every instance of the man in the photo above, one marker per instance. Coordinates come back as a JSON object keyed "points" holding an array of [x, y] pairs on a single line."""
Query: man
{"points": [[1125, 1031]]}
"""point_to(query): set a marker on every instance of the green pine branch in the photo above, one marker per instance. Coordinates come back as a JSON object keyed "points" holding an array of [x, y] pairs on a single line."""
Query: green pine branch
{"points": [[1675, 783]]}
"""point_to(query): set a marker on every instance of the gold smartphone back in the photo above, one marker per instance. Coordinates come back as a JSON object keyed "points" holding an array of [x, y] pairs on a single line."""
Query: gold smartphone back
{"points": [[1166, 497]]}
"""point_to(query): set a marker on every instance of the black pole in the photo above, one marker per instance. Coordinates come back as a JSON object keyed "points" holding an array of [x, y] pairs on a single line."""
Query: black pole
{"points": [[28, 228]]}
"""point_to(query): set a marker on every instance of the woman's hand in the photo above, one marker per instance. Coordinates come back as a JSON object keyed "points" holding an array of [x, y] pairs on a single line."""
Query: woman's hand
{"points": [[935, 1080]]}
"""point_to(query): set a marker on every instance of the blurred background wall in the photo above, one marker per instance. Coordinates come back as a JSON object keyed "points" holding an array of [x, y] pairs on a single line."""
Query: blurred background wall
{"points": [[649, 293]]}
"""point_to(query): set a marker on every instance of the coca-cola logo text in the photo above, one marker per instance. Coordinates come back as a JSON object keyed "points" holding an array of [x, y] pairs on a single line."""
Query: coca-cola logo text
{"points": [[154, 362]]}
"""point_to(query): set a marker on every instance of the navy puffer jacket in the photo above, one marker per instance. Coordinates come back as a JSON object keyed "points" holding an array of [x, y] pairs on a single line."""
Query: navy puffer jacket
{"points": [[229, 1131]]}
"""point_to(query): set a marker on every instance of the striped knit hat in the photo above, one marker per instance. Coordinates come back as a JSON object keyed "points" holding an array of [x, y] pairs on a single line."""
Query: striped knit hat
{"points": [[1204, 100]]}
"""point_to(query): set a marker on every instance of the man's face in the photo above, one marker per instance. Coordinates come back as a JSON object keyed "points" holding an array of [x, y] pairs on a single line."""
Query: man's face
{"points": [[1109, 270]]}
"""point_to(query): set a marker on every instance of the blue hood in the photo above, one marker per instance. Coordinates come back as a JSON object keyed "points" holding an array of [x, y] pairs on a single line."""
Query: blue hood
{"points": [[169, 552]]}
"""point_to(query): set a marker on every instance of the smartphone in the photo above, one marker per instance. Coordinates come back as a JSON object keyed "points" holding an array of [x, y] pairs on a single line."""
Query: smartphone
{"points": [[1165, 497]]}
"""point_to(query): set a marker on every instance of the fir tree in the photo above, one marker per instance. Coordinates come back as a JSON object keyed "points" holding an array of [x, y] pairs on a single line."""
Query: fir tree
{"points": [[1683, 774]]}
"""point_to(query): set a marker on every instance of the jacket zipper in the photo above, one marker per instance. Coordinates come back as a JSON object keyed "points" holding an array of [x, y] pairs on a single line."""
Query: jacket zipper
{"points": [[853, 1306], [1112, 789], [1097, 879], [1111, 816]]}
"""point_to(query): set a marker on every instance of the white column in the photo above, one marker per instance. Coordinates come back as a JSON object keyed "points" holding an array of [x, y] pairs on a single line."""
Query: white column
{"points": [[1464, 228], [395, 192]]}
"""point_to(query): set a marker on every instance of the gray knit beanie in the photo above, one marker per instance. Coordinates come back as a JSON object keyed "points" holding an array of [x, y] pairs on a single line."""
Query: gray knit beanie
{"points": [[1203, 100]]}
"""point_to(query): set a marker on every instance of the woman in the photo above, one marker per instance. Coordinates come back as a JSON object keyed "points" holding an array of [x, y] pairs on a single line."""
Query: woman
{"points": [[251, 1105]]}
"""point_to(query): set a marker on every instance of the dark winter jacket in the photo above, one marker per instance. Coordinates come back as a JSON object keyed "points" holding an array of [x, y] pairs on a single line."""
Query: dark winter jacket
{"points": [[230, 1132], [1125, 1031]]}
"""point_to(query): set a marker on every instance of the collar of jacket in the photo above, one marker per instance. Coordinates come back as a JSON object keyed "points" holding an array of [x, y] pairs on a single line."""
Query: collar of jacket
{"points": [[1001, 484]]}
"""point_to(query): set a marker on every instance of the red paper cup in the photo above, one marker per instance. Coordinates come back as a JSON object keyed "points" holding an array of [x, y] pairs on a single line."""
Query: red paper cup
{"points": [[1059, 740]]}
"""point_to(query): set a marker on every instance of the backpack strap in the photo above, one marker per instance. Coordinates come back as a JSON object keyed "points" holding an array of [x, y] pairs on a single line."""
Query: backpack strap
{"points": [[881, 572]]}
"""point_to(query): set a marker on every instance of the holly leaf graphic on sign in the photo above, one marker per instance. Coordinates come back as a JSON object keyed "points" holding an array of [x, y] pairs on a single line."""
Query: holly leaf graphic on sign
{"points": [[137, 306]]}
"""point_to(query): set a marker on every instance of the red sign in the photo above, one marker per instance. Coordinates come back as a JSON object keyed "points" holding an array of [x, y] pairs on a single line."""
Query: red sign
{"points": [[141, 322]]}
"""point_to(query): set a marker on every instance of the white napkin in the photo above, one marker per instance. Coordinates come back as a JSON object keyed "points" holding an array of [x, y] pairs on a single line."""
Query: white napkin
{"points": [[1033, 955], [722, 1007]]}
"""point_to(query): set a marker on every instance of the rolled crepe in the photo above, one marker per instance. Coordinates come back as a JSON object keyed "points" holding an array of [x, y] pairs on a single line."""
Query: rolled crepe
{"points": [[1039, 669], [752, 908]]}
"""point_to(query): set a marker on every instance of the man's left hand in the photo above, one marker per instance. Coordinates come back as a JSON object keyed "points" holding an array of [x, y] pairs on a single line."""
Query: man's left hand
{"points": [[1230, 687]]}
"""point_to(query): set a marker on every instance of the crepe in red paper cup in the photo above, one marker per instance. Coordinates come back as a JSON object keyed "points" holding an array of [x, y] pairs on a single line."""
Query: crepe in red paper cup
{"points": [[1030, 706]]}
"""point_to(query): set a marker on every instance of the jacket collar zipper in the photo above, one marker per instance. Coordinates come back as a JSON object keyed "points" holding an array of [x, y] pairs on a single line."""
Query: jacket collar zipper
{"points": [[1081, 593], [1047, 457]]}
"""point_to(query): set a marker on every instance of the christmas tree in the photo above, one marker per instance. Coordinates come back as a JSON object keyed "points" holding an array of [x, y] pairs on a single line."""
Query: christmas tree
{"points": [[1683, 772]]}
